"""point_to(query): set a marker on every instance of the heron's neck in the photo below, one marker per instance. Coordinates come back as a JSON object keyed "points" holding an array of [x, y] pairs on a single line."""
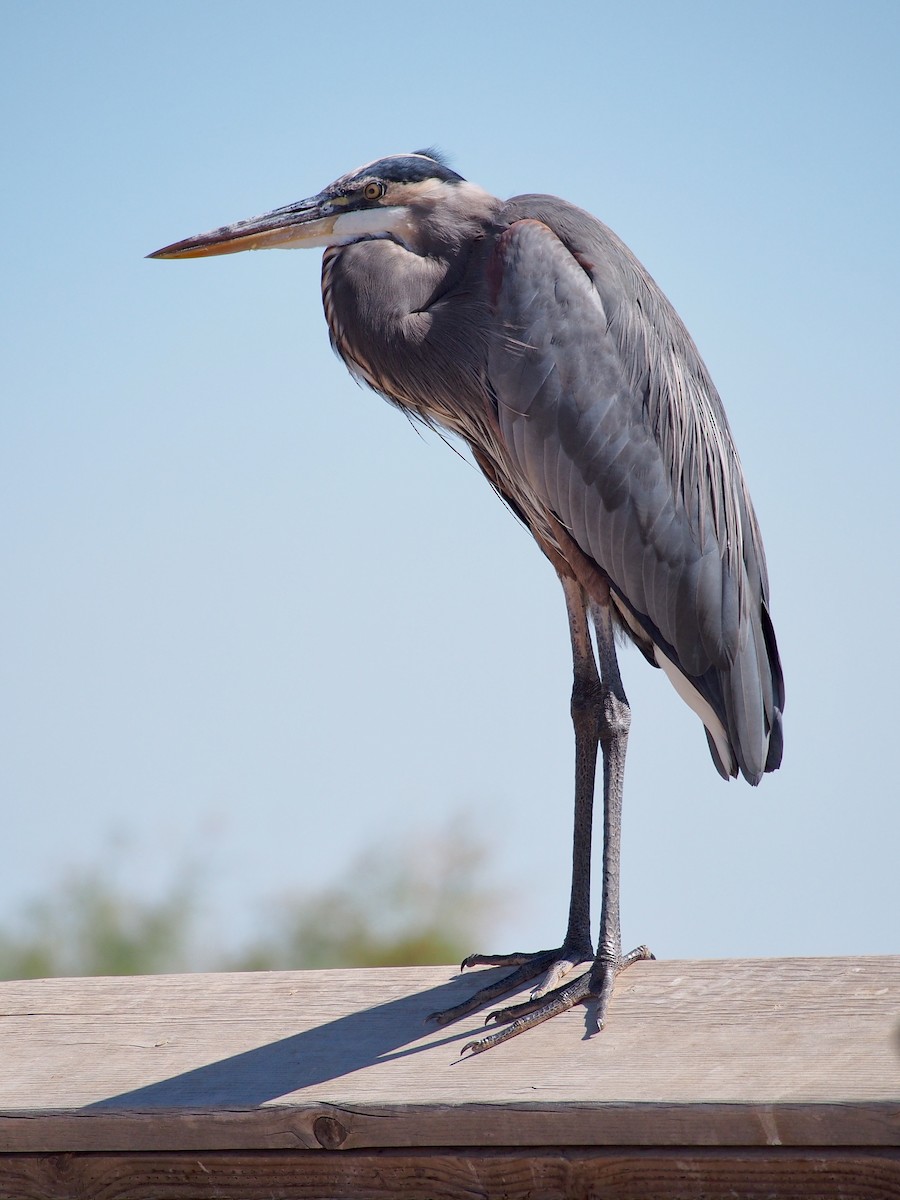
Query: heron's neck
{"points": [[445, 224], [410, 321]]}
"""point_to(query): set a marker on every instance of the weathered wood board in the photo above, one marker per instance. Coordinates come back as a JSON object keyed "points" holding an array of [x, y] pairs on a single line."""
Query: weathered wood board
{"points": [[531, 1173], [789, 1053]]}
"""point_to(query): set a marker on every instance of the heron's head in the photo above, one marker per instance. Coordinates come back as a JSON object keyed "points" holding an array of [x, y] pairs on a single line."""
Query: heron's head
{"points": [[400, 197]]}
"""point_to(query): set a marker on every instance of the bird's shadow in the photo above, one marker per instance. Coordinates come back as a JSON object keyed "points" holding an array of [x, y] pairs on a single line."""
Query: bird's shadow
{"points": [[328, 1051]]}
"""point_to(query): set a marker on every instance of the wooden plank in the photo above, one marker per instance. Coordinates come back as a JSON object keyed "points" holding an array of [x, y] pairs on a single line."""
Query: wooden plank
{"points": [[503, 1174], [778, 1053]]}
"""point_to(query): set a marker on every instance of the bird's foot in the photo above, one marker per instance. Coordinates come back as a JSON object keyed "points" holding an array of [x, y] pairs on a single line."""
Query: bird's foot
{"points": [[595, 984], [550, 965]]}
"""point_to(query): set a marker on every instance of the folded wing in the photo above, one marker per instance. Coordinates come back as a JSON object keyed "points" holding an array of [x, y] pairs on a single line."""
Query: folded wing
{"points": [[609, 413]]}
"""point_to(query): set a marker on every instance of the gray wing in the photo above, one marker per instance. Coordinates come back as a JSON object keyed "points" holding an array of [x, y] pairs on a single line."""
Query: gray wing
{"points": [[610, 416]]}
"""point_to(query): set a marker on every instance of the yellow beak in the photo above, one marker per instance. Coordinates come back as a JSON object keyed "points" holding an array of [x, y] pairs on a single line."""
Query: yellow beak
{"points": [[307, 224]]}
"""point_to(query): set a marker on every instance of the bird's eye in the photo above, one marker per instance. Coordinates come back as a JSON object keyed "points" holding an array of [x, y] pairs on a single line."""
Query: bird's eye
{"points": [[373, 191]]}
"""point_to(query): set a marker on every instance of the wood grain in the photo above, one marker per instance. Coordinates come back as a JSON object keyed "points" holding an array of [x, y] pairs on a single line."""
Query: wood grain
{"points": [[790, 1053], [541, 1173]]}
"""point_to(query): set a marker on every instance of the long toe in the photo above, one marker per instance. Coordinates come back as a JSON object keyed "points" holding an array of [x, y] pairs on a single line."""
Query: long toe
{"points": [[534, 965], [558, 970], [532, 1012], [518, 958], [596, 984]]}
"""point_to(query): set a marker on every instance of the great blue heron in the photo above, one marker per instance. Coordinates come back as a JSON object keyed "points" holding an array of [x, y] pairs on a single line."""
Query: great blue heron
{"points": [[529, 330]]}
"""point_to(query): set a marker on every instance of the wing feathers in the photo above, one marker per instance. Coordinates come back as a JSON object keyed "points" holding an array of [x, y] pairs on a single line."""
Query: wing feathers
{"points": [[608, 414]]}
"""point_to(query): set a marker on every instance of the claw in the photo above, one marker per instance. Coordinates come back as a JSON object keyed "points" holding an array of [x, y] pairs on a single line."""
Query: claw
{"points": [[556, 973], [517, 959], [545, 1001], [595, 984], [533, 966]]}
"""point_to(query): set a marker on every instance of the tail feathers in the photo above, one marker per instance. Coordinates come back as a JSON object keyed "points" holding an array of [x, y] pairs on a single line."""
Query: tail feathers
{"points": [[776, 743], [753, 694], [740, 707], [716, 757], [740, 704]]}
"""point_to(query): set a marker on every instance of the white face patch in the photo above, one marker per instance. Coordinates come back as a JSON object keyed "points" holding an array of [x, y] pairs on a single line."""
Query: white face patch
{"points": [[369, 222], [342, 229]]}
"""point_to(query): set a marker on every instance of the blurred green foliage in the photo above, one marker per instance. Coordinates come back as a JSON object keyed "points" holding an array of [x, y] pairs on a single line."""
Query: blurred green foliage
{"points": [[89, 926], [422, 902]]}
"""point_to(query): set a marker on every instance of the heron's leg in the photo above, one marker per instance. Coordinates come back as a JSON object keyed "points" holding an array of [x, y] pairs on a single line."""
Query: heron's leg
{"points": [[587, 707], [587, 716], [597, 983]]}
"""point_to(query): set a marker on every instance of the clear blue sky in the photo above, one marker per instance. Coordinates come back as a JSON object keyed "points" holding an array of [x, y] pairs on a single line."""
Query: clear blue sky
{"points": [[249, 615]]}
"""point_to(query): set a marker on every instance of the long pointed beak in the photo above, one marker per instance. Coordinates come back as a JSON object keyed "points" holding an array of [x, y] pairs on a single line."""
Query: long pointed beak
{"points": [[308, 223]]}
